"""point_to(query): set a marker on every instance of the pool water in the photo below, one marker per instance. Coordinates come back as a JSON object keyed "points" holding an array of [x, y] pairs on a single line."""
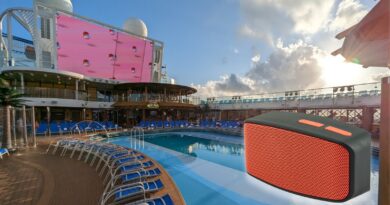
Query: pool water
{"points": [[226, 154], [209, 169]]}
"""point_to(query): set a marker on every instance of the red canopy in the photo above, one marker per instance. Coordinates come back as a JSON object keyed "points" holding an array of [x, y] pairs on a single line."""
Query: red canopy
{"points": [[368, 42]]}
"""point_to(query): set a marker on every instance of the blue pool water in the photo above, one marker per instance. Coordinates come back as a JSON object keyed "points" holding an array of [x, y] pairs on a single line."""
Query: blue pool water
{"points": [[226, 154], [209, 169]]}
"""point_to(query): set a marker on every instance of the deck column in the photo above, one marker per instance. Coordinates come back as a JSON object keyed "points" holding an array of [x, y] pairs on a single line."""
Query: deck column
{"points": [[33, 125], [24, 118], [384, 140], [13, 113], [48, 119], [84, 113], [22, 82], [76, 94], [165, 95], [180, 98], [146, 94]]}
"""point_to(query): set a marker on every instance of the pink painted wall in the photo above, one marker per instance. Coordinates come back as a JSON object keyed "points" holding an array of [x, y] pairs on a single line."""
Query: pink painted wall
{"points": [[133, 61]]}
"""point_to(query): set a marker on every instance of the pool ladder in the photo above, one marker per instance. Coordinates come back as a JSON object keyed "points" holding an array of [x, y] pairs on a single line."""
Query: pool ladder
{"points": [[137, 138]]}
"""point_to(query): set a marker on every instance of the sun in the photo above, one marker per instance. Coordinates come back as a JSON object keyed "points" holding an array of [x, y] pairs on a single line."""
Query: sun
{"points": [[336, 71]]}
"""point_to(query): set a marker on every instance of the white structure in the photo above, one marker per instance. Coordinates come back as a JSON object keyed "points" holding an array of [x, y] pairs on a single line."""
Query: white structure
{"points": [[136, 26], [65, 5]]}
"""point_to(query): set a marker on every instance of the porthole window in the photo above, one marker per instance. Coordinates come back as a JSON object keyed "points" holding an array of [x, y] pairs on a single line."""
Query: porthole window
{"points": [[86, 35], [86, 62], [112, 57]]}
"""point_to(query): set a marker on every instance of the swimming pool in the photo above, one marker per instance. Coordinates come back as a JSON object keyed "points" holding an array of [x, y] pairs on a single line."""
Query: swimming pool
{"points": [[209, 169]]}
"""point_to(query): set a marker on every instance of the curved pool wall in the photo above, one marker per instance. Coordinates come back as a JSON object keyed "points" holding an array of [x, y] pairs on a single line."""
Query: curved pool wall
{"points": [[208, 180], [237, 132]]}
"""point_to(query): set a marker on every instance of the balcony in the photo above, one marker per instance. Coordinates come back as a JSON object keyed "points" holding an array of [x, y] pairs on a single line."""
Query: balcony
{"points": [[61, 93]]}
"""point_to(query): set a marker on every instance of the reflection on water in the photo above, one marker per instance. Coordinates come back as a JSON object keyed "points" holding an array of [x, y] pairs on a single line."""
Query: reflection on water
{"points": [[227, 154], [231, 149]]}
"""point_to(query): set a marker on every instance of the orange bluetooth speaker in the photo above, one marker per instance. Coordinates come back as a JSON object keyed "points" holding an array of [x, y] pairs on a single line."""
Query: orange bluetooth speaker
{"points": [[308, 155]]}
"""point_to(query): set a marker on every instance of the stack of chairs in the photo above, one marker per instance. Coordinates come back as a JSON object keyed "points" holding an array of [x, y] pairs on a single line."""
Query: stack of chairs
{"points": [[222, 124], [128, 176], [208, 123], [164, 124], [64, 127], [230, 124]]}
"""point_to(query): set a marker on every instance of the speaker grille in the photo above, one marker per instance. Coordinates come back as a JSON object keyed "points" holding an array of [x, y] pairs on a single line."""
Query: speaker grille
{"points": [[297, 162]]}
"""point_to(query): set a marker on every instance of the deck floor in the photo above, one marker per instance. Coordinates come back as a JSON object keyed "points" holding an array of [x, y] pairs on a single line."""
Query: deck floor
{"points": [[32, 177]]}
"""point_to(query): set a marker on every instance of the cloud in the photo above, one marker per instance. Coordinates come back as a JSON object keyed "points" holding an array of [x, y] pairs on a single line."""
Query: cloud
{"points": [[256, 58], [272, 19], [295, 66], [349, 12], [228, 85], [291, 67], [233, 84]]}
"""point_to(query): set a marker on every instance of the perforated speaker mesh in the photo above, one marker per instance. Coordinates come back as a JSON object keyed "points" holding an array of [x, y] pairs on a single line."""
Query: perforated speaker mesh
{"points": [[297, 162]]}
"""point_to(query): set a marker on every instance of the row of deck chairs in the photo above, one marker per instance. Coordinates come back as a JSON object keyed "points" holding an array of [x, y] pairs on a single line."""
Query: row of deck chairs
{"points": [[128, 177], [64, 127], [164, 124], [222, 123]]}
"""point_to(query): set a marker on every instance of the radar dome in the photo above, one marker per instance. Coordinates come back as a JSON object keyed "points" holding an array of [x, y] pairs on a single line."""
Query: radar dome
{"points": [[136, 26], [65, 5]]}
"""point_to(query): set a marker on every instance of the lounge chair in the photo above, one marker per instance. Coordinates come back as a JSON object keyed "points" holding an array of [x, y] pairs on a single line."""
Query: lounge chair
{"points": [[128, 167], [3, 151], [164, 200], [167, 124], [106, 155], [121, 160], [132, 177], [125, 193], [127, 177]]}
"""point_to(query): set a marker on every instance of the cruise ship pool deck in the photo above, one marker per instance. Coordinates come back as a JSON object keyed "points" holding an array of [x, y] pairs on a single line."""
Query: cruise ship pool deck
{"points": [[209, 168]]}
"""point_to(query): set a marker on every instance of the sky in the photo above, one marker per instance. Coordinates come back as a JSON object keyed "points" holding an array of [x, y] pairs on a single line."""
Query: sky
{"points": [[230, 47]]}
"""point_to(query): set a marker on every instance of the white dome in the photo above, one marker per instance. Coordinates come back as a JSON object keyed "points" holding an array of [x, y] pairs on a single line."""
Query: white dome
{"points": [[136, 26], [65, 5]]}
